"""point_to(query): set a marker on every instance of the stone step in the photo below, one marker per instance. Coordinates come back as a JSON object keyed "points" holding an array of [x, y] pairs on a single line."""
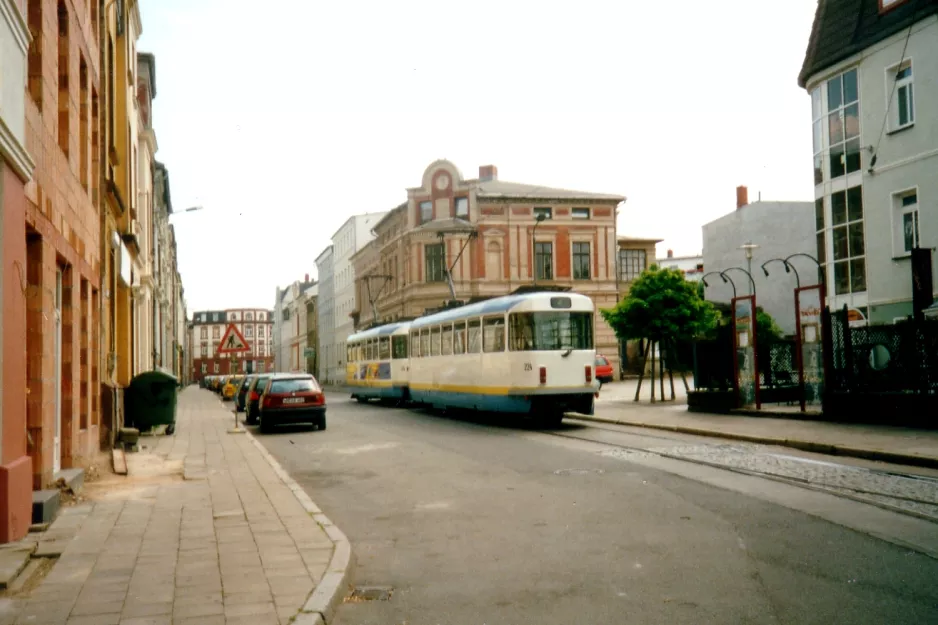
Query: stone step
{"points": [[45, 505]]}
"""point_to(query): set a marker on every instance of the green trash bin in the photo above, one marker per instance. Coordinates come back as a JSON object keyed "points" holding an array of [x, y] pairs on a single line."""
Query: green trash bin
{"points": [[150, 400]]}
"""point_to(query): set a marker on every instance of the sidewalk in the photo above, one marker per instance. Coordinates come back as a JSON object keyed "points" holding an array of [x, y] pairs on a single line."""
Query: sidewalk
{"points": [[872, 442], [207, 530]]}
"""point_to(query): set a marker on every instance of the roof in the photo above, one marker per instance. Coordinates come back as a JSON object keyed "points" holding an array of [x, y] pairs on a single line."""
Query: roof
{"points": [[624, 239], [843, 28], [517, 190], [393, 211], [493, 306]]}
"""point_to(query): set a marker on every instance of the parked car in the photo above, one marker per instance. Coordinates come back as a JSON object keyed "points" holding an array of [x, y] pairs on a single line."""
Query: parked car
{"points": [[231, 387], [603, 369], [253, 397], [241, 393], [292, 398]]}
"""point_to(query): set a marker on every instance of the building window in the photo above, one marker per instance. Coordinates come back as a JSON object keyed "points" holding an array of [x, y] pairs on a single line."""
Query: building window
{"points": [[216, 332], [203, 346], [847, 241], [843, 123], [217, 369], [581, 261], [907, 227], [204, 367], [248, 316], [64, 108], [543, 260], [546, 211], [462, 207], [580, 213], [260, 316], [248, 332], [903, 102], [214, 348], [817, 114], [426, 212], [821, 228], [436, 270], [203, 332], [631, 264], [34, 59]]}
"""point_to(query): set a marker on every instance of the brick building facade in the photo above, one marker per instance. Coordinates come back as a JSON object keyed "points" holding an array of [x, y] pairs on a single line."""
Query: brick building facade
{"points": [[62, 238], [494, 237], [16, 170], [207, 329]]}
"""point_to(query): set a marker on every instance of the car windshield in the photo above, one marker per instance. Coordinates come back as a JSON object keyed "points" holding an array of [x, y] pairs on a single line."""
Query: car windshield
{"points": [[600, 361], [260, 383], [296, 385]]}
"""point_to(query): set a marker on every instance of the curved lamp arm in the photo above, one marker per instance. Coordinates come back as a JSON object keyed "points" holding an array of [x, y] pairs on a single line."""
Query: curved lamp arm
{"points": [[726, 280], [789, 268], [752, 282]]}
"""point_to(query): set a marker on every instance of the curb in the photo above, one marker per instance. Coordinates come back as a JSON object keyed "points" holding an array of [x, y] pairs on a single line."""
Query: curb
{"points": [[330, 591], [810, 446]]}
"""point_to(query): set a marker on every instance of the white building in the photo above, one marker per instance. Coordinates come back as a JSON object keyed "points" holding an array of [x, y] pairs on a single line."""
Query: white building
{"points": [[290, 325], [691, 266], [337, 292], [871, 69], [326, 312]]}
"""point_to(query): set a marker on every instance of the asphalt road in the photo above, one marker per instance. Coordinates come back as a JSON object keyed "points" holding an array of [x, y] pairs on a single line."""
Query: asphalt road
{"points": [[475, 522]]}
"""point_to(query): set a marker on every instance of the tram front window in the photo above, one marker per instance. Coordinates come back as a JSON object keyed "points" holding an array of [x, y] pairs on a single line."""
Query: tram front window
{"points": [[546, 331]]}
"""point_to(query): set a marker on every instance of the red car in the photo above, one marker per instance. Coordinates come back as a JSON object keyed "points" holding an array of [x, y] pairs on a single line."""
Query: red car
{"points": [[603, 369], [289, 399]]}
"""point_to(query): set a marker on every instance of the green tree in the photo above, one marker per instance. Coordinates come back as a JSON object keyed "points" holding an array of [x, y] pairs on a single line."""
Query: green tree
{"points": [[767, 330], [661, 306]]}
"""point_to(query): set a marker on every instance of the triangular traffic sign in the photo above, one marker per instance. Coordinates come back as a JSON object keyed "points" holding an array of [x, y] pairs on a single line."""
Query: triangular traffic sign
{"points": [[233, 342]]}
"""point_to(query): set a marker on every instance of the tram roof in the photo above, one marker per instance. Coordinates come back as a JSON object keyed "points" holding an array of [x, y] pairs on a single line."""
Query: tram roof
{"points": [[492, 306], [385, 330]]}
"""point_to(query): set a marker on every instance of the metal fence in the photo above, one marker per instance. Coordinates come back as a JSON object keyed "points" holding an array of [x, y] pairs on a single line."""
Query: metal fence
{"points": [[899, 358]]}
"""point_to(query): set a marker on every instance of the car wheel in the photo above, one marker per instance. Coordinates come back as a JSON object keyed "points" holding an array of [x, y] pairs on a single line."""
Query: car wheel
{"points": [[265, 425]]}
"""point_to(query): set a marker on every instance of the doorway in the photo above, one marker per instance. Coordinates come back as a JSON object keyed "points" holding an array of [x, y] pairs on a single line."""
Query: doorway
{"points": [[57, 417]]}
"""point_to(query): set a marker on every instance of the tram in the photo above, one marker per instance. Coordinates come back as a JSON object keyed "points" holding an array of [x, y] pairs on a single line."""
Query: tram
{"points": [[377, 363], [530, 353]]}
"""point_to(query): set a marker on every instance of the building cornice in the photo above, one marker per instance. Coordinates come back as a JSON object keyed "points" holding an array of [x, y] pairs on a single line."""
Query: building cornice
{"points": [[17, 21], [13, 151]]}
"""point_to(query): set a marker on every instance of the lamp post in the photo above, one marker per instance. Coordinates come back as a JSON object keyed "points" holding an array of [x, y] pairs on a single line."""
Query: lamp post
{"points": [[537, 221]]}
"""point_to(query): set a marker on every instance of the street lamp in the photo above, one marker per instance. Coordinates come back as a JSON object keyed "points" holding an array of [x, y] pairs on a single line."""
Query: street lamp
{"points": [[748, 248], [726, 280], [538, 218], [789, 268], [752, 282]]}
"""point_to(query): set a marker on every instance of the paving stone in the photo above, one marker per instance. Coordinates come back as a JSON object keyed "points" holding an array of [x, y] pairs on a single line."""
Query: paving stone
{"points": [[96, 606], [135, 609], [97, 619], [201, 620]]}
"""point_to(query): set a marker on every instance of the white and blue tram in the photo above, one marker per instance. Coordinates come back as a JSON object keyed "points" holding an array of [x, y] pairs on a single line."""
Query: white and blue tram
{"points": [[377, 363], [527, 354]]}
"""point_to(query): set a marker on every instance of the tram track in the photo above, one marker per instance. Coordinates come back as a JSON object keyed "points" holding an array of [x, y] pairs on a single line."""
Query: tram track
{"points": [[925, 508]]}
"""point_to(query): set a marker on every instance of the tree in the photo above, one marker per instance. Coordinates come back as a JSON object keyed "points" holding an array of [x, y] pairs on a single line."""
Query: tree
{"points": [[767, 330], [664, 308]]}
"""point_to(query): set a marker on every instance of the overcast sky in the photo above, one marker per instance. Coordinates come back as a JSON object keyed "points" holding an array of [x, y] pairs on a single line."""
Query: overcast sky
{"points": [[282, 118]]}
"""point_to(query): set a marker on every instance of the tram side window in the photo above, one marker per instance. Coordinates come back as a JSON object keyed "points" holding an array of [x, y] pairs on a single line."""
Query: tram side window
{"points": [[415, 344], [398, 347], [435, 342], [493, 339], [425, 342], [459, 338], [475, 337], [384, 349], [447, 340], [371, 349]]}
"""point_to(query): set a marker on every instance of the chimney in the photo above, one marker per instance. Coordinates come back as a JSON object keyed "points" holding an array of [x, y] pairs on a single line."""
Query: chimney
{"points": [[306, 278], [488, 172], [670, 253], [742, 196]]}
